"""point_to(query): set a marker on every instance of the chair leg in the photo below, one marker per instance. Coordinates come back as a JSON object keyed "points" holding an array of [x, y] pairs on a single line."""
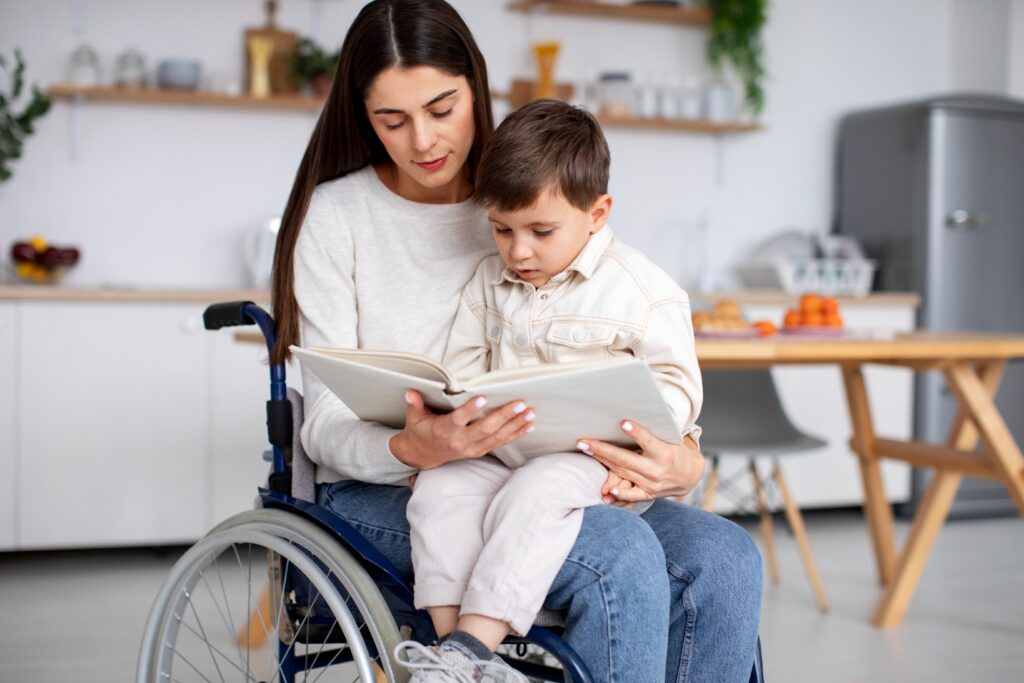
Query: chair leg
{"points": [[766, 525], [708, 495], [253, 633], [796, 523]]}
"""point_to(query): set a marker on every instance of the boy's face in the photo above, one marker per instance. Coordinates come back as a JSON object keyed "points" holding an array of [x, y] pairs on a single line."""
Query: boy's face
{"points": [[540, 241]]}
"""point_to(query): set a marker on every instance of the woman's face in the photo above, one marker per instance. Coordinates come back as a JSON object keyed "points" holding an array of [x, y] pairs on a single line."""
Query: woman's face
{"points": [[424, 118]]}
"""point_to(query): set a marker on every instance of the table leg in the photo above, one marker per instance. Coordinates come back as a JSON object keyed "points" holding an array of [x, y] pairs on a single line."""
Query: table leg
{"points": [[876, 508], [977, 416], [927, 522], [978, 403]]}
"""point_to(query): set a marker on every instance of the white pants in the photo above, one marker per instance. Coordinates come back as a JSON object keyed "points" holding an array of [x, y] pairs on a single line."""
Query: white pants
{"points": [[492, 539]]}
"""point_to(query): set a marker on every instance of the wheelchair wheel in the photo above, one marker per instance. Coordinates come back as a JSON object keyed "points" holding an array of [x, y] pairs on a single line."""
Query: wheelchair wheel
{"points": [[269, 597]]}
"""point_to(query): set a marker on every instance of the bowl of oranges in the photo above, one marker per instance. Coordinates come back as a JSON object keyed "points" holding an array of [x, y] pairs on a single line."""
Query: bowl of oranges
{"points": [[815, 315]]}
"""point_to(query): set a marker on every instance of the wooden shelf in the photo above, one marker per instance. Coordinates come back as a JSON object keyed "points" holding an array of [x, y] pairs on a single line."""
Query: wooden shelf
{"points": [[680, 125], [62, 91], [663, 15]]}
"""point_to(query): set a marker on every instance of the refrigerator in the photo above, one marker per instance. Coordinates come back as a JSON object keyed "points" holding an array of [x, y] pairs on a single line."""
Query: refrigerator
{"points": [[934, 190]]}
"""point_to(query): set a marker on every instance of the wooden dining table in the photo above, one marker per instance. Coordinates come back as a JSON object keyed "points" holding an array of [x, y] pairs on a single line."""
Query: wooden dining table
{"points": [[973, 365]]}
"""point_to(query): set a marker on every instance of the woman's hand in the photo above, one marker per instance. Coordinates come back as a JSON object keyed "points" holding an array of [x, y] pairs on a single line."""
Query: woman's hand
{"points": [[430, 440], [660, 469]]}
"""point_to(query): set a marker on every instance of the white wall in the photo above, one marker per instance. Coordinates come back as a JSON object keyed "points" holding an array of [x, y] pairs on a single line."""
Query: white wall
{"points": [[978, 45], [1015, 75], [159, 195]]}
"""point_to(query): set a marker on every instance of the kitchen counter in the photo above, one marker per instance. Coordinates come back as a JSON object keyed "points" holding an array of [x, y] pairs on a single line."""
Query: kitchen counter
{"points": [[129, 294], [770, 297], [752, 297]]}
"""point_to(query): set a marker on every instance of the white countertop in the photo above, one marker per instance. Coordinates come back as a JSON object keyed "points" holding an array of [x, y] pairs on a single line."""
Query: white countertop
{"points": [[29, 292], [207, 295]]}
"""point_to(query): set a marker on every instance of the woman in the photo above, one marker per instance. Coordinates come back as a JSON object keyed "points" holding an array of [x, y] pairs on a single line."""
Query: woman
{"points": [[378, 237]]}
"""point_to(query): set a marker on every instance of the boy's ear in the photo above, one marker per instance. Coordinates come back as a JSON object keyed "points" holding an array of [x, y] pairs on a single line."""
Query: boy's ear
{"points": [[599, 211]]}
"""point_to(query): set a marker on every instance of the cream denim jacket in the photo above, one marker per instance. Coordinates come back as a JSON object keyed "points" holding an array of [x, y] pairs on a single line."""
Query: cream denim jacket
{"points": [[610, 301]]}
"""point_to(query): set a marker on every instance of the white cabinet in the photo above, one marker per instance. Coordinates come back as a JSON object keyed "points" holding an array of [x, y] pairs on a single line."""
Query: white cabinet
{"points": [[114, 408], [8, 423], [124, 423], [815, 400]]}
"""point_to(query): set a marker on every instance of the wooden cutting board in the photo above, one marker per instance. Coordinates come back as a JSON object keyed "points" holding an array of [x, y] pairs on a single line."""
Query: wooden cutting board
{"points": [[285, 45]]}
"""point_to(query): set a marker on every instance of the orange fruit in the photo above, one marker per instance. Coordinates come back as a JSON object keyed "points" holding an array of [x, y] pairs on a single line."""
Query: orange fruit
{"points": [[813, 319], [833, 320], [810, 303], [792, 318], [829, 305], [765, 328]]}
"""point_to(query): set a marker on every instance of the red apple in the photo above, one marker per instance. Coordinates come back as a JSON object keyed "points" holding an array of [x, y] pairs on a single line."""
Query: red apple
{"points": [[23, 252], [69, 256], [49, 258]]}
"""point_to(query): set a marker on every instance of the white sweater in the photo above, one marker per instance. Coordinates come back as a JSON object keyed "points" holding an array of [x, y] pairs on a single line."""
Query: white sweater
{"points": [[375, 271]]}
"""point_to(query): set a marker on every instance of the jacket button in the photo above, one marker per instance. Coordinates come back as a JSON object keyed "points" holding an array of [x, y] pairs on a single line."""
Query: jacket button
{"points": [[577, 336], [494, 331], [520, 340]]}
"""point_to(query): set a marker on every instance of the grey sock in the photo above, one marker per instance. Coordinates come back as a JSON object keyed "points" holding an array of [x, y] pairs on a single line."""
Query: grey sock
{"points": [[469, 643]]}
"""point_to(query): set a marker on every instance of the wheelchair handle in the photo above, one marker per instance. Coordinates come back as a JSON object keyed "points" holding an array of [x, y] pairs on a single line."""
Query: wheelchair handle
{"points": [[279, 412]]}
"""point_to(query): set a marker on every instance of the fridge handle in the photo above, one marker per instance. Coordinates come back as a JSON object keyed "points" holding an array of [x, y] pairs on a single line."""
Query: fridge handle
{"points": [[965, 220]]}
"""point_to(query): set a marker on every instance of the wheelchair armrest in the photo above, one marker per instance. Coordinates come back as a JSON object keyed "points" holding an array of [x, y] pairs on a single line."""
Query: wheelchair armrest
{"points": [[228, 314]]}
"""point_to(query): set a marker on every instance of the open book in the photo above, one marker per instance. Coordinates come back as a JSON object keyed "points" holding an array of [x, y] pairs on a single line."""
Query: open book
{"points": [[572, 400]]}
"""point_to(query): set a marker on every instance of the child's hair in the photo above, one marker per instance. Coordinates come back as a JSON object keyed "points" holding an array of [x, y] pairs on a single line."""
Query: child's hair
{"points": [[544, 144]]}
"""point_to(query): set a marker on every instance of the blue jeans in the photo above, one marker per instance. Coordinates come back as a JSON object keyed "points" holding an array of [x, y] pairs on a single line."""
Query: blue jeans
{"points": [[673, 594]]}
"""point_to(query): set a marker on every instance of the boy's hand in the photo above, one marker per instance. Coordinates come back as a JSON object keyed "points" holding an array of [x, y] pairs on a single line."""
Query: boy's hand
{"points": [[614, 487]]}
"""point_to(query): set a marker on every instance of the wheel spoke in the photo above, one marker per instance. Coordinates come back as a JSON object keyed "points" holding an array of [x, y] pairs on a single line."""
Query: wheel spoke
{"points": [[215, 649], [205, 639], [227, 623], [193, 666], [227, 606]]}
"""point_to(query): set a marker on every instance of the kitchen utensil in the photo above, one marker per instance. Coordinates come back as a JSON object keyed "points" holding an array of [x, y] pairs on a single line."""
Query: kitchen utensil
{"points": [[285, 43]]}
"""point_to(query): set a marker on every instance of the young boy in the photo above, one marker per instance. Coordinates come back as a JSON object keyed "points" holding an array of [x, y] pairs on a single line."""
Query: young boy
{"points": [[489, 537]]}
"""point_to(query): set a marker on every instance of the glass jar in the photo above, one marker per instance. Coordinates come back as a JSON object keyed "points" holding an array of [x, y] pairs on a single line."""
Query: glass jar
{"points": [[616, 94], [84, 66]]}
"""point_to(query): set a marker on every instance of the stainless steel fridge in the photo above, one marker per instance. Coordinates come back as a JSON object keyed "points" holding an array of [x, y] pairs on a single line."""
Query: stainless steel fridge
{"points": [[934, 190]]}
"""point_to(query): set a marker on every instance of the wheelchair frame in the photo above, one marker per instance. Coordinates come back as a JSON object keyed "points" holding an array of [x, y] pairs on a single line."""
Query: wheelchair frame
{"points": [[395, 591]]}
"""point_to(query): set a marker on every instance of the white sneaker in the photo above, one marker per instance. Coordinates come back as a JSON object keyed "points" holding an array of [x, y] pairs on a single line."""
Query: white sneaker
{"points": [[452, 663]]}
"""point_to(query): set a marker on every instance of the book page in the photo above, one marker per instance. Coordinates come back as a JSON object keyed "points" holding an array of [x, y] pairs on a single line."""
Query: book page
{"points": [[498, 377], [395, 361]]}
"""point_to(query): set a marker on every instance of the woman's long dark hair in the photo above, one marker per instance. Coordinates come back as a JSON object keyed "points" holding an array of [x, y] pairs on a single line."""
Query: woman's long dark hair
{"points": [[385, 34]]}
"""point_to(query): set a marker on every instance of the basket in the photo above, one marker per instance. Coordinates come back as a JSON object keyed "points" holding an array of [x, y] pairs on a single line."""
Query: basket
{"points": [[830, 277]]}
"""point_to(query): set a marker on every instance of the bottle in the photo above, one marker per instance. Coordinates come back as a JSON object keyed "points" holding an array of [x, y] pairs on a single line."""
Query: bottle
{"points": [[668, 101]]}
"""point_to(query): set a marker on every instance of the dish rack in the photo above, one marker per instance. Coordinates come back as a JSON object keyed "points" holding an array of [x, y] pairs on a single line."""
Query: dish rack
{"points": [[828, 276]]}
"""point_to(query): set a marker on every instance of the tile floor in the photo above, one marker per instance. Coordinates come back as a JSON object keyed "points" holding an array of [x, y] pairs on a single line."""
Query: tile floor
{"points": [[77, 616]]}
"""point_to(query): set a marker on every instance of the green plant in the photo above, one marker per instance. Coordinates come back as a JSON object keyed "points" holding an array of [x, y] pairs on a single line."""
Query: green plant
{"points": [[15, 127], [735, 38], [310, 61]]}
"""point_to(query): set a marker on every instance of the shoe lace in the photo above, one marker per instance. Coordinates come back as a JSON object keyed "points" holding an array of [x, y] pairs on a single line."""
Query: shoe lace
{"points": [[498, 671], [415, 656]]}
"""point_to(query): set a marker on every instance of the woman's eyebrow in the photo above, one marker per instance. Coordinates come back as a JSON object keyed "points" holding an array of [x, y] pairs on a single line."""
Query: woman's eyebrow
{"points": [[386, 110]]}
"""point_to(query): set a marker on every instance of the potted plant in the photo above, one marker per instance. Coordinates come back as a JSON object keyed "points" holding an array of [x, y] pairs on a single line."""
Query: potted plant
{"points": [[735, 40], [16, 126], [312, 65]]}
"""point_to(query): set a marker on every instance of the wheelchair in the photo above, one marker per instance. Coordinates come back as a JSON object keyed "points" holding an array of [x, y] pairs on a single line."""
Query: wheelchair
{"points": [[291, 592]]}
